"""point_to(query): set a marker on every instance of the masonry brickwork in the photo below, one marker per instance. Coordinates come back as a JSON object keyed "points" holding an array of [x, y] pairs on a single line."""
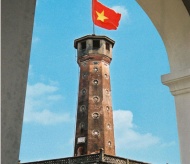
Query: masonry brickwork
{"points": [[94, 125]]}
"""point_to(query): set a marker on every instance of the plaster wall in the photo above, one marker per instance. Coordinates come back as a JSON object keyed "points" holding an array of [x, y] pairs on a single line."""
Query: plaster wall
{"points": [[17, 25], [172, 21], [179, 84], [183, 118]]}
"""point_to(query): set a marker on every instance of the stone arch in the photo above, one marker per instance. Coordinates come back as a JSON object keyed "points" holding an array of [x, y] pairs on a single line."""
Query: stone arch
{"points": [[174, 29]]}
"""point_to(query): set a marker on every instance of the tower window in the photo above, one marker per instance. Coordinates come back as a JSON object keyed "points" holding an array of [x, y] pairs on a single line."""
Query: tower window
{"points": [[82, 108], [83, 91], [95, 132], [96, 69], [80, 151], [83, 45], [106, 76], [84, 75], [107, 108], [96, 99], [107, 91], [95, 62], [95, 82], [107, 46], [82, 125], [96, 44], [95, 115]]}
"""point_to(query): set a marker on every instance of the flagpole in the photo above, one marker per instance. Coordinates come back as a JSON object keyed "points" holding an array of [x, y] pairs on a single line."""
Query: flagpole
{"points": [[93, 18], [93, 29]]}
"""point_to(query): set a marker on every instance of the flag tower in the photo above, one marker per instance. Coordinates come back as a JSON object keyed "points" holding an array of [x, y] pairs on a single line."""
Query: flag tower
{"points": [[94, 124], [94, 136]]}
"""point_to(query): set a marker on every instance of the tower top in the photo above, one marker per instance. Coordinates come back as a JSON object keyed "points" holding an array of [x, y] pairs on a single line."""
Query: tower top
{"points": [[94, 47], [96, 37]]}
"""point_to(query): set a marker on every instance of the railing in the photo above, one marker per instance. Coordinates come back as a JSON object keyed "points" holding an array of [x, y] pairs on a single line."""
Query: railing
{"points": [[93, 158], [118, 160], [71, 160]]}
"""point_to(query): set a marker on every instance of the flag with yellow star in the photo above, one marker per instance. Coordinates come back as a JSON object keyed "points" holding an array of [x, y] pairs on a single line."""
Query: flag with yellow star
{"points": [[104, 17]]}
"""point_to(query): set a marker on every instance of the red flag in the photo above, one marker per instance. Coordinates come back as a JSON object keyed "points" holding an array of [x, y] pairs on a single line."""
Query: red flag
{"points": [[104, 17]]}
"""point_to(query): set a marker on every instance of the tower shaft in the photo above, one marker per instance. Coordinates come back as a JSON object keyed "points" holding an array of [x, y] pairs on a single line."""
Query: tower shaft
{"points": [[94, 124]]}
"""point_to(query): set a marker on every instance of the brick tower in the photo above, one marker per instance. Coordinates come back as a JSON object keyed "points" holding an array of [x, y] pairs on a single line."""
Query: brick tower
{"points": [[94, 138], [94, 124]]}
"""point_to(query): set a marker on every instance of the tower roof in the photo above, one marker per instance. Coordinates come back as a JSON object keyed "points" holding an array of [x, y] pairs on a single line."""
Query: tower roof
{"points": [[93, 37]]}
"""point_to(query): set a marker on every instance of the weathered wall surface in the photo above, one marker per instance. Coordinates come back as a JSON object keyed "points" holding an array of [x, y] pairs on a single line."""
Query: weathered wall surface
{"points": [[95, 121], [17, 25]]}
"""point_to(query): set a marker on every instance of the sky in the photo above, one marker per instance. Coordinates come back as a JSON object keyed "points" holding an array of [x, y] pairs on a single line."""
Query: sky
{"points": [[144, 109]]}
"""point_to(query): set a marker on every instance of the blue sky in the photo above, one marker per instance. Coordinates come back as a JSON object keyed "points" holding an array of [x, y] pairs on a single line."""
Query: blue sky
{"points": [[144, 109]]}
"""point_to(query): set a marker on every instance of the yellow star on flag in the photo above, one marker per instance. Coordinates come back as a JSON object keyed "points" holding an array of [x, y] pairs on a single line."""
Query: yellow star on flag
{"points": [[101, 16]]}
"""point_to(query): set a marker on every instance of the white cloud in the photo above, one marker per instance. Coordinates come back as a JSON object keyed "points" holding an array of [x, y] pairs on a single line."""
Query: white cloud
{"points": [[123, 11], [46, 117], [39, 89], [40, 105], [165, 145], [35, 39], [126, 134], [30, 71], [128, 138], [54, 97]]}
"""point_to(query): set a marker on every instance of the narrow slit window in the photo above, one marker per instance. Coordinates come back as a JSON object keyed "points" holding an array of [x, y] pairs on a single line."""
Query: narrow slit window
{"points": [[96, 44], [107, 46], [83, 45]]}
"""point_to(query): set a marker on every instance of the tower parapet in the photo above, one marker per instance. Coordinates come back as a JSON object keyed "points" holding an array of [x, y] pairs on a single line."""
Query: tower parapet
{"points": [[94, 47]]}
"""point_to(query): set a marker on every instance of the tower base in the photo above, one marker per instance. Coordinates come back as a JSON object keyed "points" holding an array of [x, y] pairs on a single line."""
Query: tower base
{"points": [[99, 158]]}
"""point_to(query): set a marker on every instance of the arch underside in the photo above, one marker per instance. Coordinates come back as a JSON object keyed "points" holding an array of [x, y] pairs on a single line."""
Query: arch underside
{"points": [[172, 20]]}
